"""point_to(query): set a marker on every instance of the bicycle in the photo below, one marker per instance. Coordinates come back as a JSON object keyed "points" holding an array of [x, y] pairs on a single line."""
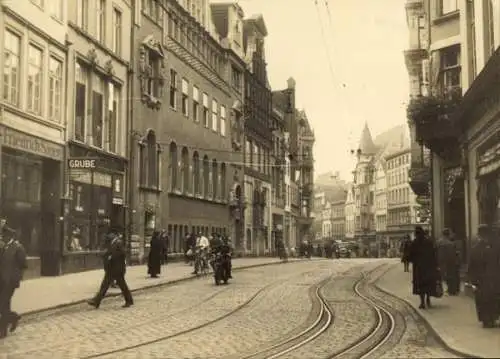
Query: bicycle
{"points": [[201, 264]]}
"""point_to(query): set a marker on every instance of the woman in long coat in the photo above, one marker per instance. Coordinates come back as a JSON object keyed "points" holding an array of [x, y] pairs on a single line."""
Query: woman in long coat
{"points": [[155, 255], [423, 256]]}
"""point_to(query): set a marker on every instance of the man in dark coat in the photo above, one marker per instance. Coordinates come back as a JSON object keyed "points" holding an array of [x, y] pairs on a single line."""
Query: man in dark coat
{"points": [[405, 252], [12, 266], [156, 253], [484, 269], [449, 262], [425, 267], [114, 270]]}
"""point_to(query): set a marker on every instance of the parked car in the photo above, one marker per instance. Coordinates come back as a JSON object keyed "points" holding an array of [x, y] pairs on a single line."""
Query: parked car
{"points": [[344, 251]]}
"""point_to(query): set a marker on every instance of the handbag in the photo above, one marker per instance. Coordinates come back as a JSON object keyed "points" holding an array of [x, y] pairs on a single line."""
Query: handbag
{"points": [[439, 291]]}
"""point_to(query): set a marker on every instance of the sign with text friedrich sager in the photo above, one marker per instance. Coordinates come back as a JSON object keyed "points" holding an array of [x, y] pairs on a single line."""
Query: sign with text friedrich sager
{"points": [[83, 163]]}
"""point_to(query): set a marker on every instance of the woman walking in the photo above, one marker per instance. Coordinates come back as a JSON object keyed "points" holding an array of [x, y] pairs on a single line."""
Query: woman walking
{"points": [[425, 269]]}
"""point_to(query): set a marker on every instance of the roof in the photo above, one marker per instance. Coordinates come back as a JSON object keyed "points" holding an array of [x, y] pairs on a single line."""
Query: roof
{"points": [[258, 21], [366, 144]]}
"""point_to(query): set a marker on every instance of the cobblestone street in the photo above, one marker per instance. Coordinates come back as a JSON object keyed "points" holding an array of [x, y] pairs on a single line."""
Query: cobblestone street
{"points": [[196, 319]]}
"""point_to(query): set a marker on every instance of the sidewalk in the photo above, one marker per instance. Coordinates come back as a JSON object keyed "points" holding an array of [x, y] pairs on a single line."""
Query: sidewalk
{"points": [[44, 293], [453, 319]]}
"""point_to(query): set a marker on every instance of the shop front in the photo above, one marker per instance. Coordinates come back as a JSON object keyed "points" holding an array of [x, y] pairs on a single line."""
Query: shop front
{"points": [[31, 170], [93, 208]]}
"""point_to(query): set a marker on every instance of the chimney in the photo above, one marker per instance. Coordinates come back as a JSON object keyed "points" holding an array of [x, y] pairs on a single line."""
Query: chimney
{"points": [[290, 83]]}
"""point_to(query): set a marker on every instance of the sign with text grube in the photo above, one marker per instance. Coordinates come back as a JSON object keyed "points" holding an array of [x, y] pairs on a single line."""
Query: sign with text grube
{"points": [[83, 163]]}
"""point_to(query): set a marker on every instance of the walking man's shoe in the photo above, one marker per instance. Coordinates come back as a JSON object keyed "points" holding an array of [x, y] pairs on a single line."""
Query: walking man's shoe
{"points": [[93, 303], [126, 305], [14, 323]]}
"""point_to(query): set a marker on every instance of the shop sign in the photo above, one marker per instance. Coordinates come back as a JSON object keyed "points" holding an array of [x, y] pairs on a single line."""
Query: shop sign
{"points": [[24, 142], [82, 163]]}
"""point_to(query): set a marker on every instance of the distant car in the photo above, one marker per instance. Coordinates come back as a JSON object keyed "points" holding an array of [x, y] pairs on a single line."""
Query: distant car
{"points": [[344, 251]]}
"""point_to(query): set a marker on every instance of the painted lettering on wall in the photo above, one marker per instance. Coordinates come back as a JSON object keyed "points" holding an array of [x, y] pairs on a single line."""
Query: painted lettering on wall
{"points": [[20, 141]]}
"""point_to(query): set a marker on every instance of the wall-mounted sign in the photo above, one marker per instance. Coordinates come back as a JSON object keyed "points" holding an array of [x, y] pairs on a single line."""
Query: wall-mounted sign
{"points": [[82, 163], [24, 142]]}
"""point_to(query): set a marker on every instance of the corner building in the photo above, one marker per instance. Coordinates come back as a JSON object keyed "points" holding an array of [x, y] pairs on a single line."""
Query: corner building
{"points": [[98, 62], [32, 127], [182, 148]]}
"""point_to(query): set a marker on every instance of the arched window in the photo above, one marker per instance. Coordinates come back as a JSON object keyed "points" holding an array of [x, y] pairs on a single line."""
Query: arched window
{"points": [[223, 189], [215, 179], [174, 185], [185, 175], [196, 173], [206, 176]]}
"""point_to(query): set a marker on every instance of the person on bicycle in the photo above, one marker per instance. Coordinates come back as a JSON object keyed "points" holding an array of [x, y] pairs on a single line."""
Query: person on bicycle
{"points": [[221, 244], [201, 251]]}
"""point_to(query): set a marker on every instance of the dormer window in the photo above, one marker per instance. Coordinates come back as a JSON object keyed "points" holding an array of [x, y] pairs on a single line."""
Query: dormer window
{"points": [[151, 72]]}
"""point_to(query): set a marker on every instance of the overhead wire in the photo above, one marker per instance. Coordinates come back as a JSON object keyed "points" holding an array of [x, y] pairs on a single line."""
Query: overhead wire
{"points": [[325, 43]]}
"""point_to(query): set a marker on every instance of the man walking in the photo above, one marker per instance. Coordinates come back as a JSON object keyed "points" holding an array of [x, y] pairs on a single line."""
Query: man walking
{"points": [[449, 262], [114, 270], [12, 266]]}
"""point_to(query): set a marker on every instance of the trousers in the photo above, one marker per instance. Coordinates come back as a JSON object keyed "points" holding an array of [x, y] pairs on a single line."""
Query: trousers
{"points": [[7, 316], [106, 283]]}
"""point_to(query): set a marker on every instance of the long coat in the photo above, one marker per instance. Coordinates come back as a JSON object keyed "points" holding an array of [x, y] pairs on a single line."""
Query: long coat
{"points": [[114, 258], [448, 258], [424, 259], [484, 273], [156, 253], [12, 263]]}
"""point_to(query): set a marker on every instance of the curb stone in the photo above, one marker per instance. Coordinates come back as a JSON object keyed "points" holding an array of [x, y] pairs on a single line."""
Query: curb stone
{"points": [[442, 341], [146, 287]]}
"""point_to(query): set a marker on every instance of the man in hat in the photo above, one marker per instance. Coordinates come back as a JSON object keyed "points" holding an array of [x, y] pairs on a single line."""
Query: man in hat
{"points": [[449, 262], [114, 270], [12, 266], [484, 267]]}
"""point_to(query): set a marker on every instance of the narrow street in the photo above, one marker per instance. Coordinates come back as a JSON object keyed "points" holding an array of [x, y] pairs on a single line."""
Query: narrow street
{"points": [[267, 312]]}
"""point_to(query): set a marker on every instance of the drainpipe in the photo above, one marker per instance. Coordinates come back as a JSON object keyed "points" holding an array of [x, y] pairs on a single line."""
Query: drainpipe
{"points": [[130, 134]]}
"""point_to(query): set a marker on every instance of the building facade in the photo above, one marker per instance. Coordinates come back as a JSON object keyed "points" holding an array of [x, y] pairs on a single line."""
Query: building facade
{"points": [[381, 214], [278, 167], [98, 63], [33, 128], [350, 213], [183, 148], [402, 208], [258, 139]]}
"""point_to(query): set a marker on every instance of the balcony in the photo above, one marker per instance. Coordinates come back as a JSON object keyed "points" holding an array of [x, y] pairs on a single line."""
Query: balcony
{"points": [[432, 118], [419, 180]]}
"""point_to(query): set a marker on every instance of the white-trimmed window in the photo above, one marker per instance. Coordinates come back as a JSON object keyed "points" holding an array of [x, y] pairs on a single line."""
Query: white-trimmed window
{"points": [[82, 18], [206, 111], [185, 98], [215, 115], [100, 33], [55, 88], [223, 120], [97, 110], [35, 71], [11, 67], [116, 45], [55, 9], [196, 104], [173, 89], [82, 76], [114, 96]]}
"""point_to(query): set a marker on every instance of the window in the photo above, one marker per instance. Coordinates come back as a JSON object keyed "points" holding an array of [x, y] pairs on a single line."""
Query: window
{"points": [[185, 97], [82, 19], [116, 45], [448, 6], [236, 78], [173, 89], [248, 153], [81, 74], [206, 110], [97, 111], [55, 87], [223, 120], [55, 9], [450, 71], [215, 115], [35, 70], [100, 21], [11, 68], [151, 86], [153, 9], [114, 96], [196, 104]]}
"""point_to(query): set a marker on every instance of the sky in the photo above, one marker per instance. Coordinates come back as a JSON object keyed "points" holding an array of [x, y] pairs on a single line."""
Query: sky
{"points": [[346, 57]]}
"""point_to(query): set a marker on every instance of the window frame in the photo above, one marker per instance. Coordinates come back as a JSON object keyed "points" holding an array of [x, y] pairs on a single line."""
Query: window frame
{"points": [[185, 97], [54, 112], [222, 119], [13, 86], [196, 104], [206, 110], [117, 39], [215, 115], [173, 89], [31, 100]]}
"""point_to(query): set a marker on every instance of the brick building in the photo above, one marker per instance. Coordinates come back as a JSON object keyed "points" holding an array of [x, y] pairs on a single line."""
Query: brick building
{"points": [[183, 149]]}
